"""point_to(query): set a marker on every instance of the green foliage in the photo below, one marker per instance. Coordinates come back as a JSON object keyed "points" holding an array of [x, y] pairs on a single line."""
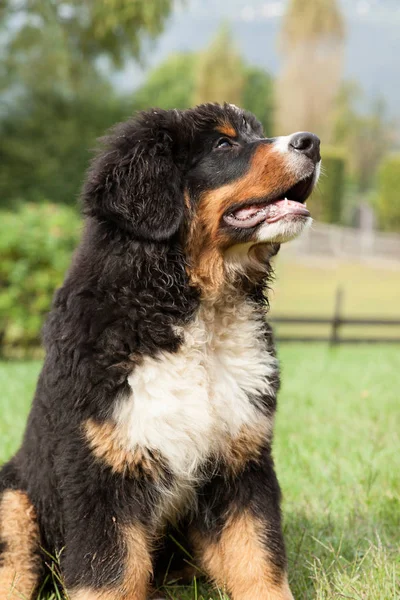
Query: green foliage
{"points": [[46, 142], [219, 76], [170, 85], [326, 202], [258, 96], [36, 243], [57, 98], [54, 79], [367, 137], [58, 43], [389, 193]]}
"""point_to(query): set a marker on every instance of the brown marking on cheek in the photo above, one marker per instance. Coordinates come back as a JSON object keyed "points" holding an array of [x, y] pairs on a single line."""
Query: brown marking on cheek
{"points": [[19, 532], [240, 563], [267, 175], [137, 570], [247, 445], [107, 444], [206, 269], [227, 129]]}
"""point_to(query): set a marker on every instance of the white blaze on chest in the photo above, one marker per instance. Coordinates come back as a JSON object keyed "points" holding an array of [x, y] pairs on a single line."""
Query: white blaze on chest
{"points": [[186, 404]]}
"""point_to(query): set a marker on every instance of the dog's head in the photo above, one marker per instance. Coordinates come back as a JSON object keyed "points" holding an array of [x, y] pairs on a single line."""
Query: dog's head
{"points": [[208, 179]]}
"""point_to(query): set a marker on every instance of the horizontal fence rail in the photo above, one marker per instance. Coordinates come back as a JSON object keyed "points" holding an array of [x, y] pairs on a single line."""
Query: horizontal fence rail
{"points": [[324, 240], [336, 321], [328, 321], [328, 340]]}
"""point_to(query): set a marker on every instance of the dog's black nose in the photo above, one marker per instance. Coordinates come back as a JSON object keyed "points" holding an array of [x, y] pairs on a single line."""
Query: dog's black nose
{"points": [[308, 144]]}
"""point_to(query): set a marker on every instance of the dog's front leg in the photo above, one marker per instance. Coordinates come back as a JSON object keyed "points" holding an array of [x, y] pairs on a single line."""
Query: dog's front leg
{"points": [[238, 538], [109, 535], [119, 570]]}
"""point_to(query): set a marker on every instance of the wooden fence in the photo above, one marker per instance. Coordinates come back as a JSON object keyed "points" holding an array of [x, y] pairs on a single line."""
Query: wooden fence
{"points": [[336, 322], [324, 240]]}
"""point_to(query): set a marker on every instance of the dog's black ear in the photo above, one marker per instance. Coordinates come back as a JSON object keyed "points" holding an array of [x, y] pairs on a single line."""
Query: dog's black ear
{"points": [[136, 181]]}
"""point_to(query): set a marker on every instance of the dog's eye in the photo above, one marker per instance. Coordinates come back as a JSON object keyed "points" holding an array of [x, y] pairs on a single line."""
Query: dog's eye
{"points": [[224, 143]]}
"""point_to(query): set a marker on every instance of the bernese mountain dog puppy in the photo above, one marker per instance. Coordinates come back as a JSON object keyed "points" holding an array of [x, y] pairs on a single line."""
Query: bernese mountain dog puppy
{"points": [[154, 410]]}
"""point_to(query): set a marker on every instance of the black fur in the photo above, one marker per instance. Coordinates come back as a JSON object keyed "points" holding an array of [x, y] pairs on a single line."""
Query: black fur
{"points": [[126, 290]]}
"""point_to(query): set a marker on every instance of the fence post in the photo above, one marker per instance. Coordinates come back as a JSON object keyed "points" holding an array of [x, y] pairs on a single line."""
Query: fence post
{"points": [[336, 321]]}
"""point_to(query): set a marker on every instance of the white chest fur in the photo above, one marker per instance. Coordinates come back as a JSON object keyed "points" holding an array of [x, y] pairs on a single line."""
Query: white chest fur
{"points": [[184, 405]]}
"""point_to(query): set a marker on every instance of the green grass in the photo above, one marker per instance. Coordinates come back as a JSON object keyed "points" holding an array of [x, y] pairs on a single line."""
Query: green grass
{"points": [[337, 456]]}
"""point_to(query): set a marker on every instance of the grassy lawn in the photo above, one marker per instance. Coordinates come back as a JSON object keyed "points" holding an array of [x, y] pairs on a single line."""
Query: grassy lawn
{"points": [[337, 455]]}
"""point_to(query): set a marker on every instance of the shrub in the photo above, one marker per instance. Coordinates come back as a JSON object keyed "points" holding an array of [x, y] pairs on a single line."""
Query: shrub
{"points": [[388, 202], [36, 243], [327, 200]]}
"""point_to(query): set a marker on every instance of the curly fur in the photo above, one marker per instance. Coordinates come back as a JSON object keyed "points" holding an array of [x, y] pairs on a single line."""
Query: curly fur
{"points": [[155, 404]]}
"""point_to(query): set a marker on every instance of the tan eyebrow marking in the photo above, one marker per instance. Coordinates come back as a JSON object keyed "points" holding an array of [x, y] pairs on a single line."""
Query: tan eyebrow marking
{"points": [[227, 129]]}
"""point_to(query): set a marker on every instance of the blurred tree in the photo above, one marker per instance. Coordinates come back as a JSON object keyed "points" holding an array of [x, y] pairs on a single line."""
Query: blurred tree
{"points": [[56, 95], [258, 96], [169, 85], [45, 143], [312, 49], [172, 85], [47, 43], [367, 136], [219, 75], [326, 202]]}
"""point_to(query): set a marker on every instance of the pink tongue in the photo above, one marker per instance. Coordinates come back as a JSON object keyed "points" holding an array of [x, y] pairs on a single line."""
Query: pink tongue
{"points": [[254, 215], [281, 208]]}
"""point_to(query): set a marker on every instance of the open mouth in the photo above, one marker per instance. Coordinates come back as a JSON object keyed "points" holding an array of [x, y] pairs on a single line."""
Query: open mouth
{"points": [[290, 204]]}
